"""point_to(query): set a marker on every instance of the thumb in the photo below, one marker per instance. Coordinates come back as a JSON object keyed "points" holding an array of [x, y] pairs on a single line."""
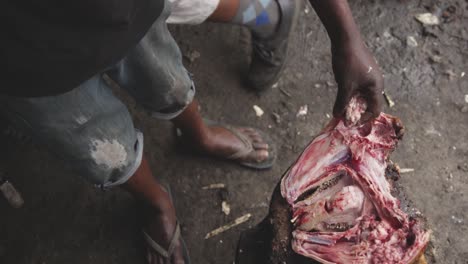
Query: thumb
{"points": [[342, 99], [374, 100]]}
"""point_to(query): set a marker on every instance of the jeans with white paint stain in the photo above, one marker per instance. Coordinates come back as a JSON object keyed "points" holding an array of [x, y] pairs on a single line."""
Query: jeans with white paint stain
{"points": [[90, 128]]}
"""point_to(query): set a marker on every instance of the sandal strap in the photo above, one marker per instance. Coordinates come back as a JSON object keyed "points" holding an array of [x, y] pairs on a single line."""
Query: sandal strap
{"points": [[245, 140], [166, 253]]}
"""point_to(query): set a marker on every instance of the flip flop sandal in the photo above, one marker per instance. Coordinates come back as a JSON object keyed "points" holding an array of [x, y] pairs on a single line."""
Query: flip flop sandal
{"points": [[265, 164], [248, 147], [167, 253]]}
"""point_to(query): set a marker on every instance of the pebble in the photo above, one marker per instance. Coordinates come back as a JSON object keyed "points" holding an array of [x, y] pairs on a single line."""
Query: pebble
{"points": [[428, 19], [192, 55], [387, 34], [258, 111], [411, 41], [435, 58], [463, 167], [302, 111], [457, 220]]}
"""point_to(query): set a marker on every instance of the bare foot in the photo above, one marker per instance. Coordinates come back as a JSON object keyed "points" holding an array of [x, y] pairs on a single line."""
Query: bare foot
{"points": [[222, 142], [244, 145], [161, 228], [159, 213]]}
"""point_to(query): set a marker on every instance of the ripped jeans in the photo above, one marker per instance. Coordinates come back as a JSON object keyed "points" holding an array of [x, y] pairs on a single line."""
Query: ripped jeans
{"points": [[92, 130]]}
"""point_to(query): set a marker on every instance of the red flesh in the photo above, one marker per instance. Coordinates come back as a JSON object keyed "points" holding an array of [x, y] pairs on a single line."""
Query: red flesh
{"points": [[352, 217]]}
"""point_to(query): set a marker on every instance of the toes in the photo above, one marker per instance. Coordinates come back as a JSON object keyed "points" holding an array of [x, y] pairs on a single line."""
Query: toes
{"points": [[261, 155], [250, 132], [260, 146], [254, 135], [257, 139], [261, 150], [149, 257], [177, 260], [158, 260], [248, 129]]}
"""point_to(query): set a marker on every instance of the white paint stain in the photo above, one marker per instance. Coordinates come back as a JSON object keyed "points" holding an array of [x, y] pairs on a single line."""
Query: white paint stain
{"points": [[110, 154], [369, 70]]}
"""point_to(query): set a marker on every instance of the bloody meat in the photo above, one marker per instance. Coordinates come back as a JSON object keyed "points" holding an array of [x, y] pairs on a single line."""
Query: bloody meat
{"points": [[343, 210]]}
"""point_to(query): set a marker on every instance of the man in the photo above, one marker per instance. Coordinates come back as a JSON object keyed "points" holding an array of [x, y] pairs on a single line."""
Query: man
{"points": [[53, 53]]}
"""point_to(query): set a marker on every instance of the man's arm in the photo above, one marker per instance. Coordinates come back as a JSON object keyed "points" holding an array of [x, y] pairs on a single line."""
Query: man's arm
{"points": [[356, 71]]}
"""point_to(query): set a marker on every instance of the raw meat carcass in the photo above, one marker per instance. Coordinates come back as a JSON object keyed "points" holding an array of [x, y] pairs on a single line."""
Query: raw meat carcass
{"points": [[343, 210], [341, 202]]}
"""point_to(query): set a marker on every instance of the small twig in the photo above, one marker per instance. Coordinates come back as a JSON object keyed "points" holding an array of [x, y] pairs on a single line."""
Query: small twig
{"points": [[389, 100], [214, 186], [406, 170], [285, 92], [224, 228]]}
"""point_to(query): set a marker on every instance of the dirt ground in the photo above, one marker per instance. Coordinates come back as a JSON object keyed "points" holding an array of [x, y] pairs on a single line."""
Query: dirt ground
{"points": [[66, 220]]}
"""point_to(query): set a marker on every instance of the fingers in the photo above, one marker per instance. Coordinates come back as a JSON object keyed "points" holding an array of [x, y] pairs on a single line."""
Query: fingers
{"points": [[399, 128], [375, 103], [342, 99], [365, 118], [374, 98]]}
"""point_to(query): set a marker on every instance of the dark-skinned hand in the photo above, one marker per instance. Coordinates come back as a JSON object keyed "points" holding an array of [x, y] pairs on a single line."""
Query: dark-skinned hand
{"points": [[357, 74]]}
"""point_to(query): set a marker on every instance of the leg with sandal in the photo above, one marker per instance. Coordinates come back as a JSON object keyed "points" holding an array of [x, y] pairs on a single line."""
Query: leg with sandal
{"points": [[75, 115]]}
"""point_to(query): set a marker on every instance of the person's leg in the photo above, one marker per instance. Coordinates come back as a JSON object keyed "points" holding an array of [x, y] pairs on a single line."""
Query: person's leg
{"points": [[163, 86], [270, 21], [159, 211], [92, 131], [262, 17]]}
